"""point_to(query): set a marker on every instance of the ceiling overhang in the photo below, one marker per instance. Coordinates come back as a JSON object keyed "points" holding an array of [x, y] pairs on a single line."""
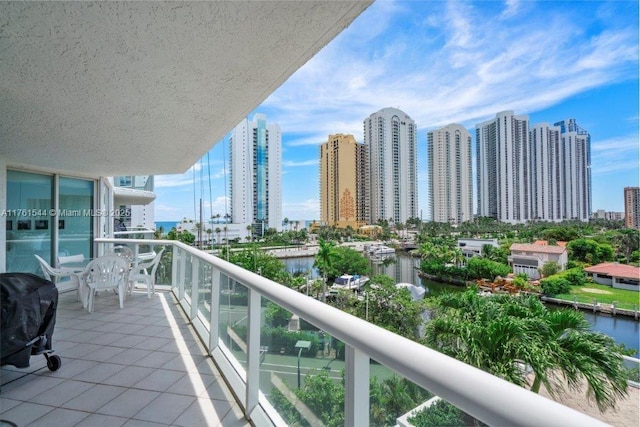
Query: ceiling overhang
{"points": [[118, 88]]}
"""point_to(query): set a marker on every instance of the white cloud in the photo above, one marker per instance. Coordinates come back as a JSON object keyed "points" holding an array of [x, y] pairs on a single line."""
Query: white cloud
{"points": [[616, 155], [305, 209], [289, 163]]}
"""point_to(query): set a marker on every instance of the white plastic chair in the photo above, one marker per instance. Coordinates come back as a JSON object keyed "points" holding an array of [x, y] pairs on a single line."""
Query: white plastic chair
{"points": [[106, 272], [141, 274], [122, 251], [54, 274], [76, 259]]}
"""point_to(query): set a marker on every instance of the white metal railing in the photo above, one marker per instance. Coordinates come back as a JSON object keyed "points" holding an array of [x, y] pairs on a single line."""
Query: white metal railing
{"points": [[481, 395]]}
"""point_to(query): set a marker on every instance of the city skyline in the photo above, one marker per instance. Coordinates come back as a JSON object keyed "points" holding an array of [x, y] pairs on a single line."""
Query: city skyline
{"points": [[445, 63]]}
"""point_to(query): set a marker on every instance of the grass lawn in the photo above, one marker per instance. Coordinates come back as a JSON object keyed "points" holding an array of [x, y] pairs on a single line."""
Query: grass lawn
{"points": [[603, 294]]}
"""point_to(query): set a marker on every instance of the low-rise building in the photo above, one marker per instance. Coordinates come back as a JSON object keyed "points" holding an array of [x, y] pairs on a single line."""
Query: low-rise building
{"points": [[619, 276], [473, 247], [528, 258]]}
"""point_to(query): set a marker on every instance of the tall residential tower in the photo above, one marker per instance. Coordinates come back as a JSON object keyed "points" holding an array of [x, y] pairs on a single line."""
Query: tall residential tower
{"points": [[632, 207], [391, 139], [575, 170], [256, 174], [343, 182], [504, 176], [450, 180]]}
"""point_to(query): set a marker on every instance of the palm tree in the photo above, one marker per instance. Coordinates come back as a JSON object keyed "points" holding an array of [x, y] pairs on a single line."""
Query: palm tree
{"points": [[249, 230], [502, 333], [218, 230], [324, 261]]}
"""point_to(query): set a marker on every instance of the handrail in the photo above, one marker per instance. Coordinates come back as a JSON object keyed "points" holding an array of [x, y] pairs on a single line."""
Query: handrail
{"points": [[478, 393]]}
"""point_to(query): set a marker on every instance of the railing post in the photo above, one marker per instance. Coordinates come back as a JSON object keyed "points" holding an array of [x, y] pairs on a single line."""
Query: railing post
{"points": [[214, 332], [195, 286], [253, 353], [183, 275], [174, 268], [356, 393]]}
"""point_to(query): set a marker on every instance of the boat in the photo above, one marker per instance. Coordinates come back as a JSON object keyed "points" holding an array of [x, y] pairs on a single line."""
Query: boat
{"points": [[348, 281], [417, 292], [381, 250]]}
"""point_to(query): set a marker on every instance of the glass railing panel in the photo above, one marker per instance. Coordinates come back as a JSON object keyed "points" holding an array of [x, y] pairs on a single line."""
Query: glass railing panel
{"points": [[186, 261], [391, 396], [165, 266], [233, 318], [301, 371], [205, 272]]}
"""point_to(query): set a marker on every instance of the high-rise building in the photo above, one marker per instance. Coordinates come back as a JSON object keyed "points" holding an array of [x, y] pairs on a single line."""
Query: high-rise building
{"points": [[504, 177], [632, 207], [343, 182], [546, 179], [450, 174], [575, 170], [133, 197], [391, 139], [255, 150]]}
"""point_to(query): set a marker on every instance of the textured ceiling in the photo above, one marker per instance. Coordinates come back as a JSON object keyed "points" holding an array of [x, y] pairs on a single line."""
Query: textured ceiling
{"points": [[116, 88]]}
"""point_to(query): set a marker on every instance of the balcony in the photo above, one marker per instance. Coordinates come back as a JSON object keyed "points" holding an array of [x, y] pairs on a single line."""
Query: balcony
{"points": [[193, 355]]}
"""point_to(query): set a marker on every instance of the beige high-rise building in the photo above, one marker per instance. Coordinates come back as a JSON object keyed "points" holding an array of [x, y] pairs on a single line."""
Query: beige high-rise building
{"points": [[632, 207], [343, 182]]}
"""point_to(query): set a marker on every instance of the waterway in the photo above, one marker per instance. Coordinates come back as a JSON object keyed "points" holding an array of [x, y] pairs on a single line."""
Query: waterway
{"points": [[403, 269]]}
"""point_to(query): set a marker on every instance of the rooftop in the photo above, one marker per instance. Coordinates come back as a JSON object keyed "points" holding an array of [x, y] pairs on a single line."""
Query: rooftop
{"points": [[545, 249], [614, 269]]}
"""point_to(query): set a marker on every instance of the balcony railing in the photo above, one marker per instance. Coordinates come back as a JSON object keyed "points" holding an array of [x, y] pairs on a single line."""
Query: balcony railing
{"points": [[226, 305]]}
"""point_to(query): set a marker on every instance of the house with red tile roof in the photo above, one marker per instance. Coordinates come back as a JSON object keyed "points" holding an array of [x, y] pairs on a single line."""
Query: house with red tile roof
{"points": [[620, 276], [529, 258]]}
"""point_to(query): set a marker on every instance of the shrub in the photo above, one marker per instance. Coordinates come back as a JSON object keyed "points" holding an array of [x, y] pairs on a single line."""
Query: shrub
{"points": [[554, 285]]}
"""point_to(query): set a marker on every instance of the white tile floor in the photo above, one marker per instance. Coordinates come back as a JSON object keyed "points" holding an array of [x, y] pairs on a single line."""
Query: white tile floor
{"points": [[139, 366]]}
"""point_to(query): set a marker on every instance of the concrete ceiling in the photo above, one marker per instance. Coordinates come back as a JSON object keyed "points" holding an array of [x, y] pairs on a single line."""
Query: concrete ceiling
{"points": [[117, 88]]}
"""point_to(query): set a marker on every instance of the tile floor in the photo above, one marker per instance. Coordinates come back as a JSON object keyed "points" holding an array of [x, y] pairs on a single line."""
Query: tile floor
{"points": [[139, 366]]}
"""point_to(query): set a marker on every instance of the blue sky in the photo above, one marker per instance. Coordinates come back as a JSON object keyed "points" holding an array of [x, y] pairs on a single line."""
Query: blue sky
{"points": [[447, 62]]}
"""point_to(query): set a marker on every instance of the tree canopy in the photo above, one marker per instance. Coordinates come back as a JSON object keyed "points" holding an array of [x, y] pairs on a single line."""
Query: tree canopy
{"points": [[502, 334]]}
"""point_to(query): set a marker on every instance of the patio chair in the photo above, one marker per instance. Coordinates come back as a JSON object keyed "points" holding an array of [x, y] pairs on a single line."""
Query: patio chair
{"points": [[122, 251], [70, 259], [106, 272], [141, 274], [54, 274]]}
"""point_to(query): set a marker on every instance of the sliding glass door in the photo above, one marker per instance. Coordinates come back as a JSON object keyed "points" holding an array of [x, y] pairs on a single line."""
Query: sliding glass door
{"points": [[47, 215]]}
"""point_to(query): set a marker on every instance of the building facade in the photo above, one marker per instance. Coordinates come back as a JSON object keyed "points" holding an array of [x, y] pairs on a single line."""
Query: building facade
{"points": [[575, 171], [450, 174], [539, 174], [391, 139], [255, 150], [133, 195], [632, 207], [545, 172], [503, 165], [343, 182]]}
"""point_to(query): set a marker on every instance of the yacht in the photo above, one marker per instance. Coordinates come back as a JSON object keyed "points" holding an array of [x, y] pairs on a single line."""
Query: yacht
{"points": [[381, 250], [347, 281]]}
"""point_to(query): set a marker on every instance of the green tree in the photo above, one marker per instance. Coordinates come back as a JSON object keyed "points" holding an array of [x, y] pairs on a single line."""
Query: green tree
{"points": [[390, 307], [550, 268], [347, 261], [439, 414], [482, 268], [324, 260], [590, 251], [497, 334]]}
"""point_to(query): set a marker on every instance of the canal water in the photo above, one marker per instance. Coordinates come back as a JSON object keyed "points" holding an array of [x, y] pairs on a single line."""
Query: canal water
{"points": [[403, 269]]}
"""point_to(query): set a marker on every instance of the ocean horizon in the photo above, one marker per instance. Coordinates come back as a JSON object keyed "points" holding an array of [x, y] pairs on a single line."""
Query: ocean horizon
{"points": [[166, 225]]}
